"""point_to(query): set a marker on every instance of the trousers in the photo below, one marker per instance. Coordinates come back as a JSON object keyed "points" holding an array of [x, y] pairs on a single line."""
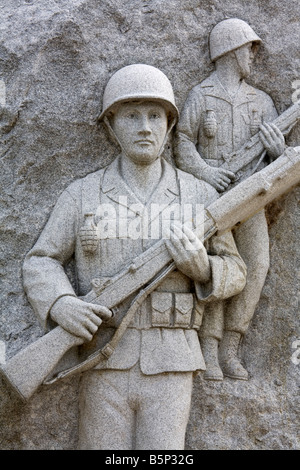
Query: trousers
{"points": [[126, 410], [235, 314]]}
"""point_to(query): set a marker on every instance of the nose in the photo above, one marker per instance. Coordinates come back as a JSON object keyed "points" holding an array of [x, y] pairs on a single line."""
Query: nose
{"points": [[145, 128]]}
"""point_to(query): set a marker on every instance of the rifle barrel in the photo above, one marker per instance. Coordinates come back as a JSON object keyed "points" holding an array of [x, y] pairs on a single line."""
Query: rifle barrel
{"points": [[254, 147], [27, 370]]}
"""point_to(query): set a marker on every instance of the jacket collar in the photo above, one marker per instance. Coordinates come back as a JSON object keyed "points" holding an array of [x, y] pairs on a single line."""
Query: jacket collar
{"points": [[213, 87], [116, 189]]}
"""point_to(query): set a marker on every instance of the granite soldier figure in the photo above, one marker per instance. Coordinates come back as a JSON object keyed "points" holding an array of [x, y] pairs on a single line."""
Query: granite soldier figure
{"points": [[219, 116], [140, 397]]}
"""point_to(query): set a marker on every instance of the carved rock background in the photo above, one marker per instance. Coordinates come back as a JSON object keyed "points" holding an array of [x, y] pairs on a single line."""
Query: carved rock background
{"points": [[55, 59]]}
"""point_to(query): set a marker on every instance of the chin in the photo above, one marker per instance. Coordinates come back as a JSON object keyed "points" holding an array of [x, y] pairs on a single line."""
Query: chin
{"points": [[144, 159]]}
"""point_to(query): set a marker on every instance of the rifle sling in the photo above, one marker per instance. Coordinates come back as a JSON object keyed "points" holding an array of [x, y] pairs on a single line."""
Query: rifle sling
{"points": [[105, 352]]}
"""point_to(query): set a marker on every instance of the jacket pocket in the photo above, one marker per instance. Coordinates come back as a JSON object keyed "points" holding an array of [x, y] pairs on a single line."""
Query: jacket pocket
{"points": [[161, 309], [184, 304]]}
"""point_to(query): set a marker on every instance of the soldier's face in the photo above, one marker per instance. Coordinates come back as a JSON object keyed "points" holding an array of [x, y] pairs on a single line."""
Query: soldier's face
{"points": [[141, 128], [244, 56]]}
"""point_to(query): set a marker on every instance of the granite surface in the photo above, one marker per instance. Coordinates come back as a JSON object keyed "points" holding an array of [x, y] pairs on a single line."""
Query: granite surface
{"points": [[55, 59]]}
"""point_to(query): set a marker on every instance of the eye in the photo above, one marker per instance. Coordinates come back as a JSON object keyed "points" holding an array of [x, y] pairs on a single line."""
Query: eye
{"points": [[154, 116], [132, 115]]}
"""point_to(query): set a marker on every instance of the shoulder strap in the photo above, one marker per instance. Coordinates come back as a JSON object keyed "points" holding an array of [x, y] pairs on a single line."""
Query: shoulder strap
{"points": [[90, 192], [189, 197], [187, 187]]}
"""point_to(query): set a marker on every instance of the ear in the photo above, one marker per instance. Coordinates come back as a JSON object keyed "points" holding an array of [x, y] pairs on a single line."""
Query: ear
{"points": [[171, 123], [255, 47], [111, 132]]}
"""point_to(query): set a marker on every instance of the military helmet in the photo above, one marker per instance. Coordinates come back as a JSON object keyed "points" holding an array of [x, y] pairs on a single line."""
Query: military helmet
{"points": [[229, 35], [139, 82]]}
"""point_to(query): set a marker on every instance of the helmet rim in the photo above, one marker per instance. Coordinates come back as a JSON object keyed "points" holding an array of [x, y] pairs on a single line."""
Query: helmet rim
{"points": [[237, 34], [164, 95]]}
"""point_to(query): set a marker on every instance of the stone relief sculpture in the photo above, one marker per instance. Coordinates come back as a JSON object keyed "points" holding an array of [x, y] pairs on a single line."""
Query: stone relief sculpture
{"points": [[220, 115], [140, 396], [146, 273]]}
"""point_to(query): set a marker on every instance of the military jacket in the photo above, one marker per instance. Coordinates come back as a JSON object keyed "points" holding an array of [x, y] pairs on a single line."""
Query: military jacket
{"points": [[237, 120], [163, 336]]}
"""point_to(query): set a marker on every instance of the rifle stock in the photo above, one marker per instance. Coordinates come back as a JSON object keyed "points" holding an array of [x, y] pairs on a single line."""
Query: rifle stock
{"points": [[27, 370]]}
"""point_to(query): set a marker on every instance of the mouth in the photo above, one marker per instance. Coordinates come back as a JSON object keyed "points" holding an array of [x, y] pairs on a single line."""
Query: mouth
{"points": [[144, 142]]}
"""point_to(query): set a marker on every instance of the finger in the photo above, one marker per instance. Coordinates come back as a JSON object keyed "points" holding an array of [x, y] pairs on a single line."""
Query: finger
{"points": [[173, 252], [83, 332], [264, 128], [193, 238], [179, 241], [223, 185], [95, 318], [277, 131], [79, 341], [189, 233], [178, 233], [264, 132], [175, 231], [271, 132], [102, 311], [228, 174], [264, 140], [183, 238], [172, 243], [175, 242], [220, 189], [87, 314], [225, 180], [188, 245], [90, 326], [179, 249]]}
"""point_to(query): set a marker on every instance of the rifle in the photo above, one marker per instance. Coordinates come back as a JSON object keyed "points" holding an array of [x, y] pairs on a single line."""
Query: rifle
{"points": [[27, 370], [236, 161]]}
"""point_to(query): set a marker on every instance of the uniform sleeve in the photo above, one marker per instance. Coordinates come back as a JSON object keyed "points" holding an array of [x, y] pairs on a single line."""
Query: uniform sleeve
{"points": [[45, 280], [186, 139], [228, 270], [269, 114], [269, 110]]}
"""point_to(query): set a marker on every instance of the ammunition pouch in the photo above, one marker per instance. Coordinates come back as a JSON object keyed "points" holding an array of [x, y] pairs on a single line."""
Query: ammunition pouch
{"points": [[175, 310]]}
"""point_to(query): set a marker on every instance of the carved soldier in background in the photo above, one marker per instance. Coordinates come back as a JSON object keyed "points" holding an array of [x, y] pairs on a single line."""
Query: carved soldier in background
{"points": [[219, 116], [140, 397]]}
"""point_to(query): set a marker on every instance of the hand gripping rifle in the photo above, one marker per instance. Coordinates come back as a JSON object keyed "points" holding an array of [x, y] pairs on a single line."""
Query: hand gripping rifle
{"points": [[28, 369], [236, 161]]}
